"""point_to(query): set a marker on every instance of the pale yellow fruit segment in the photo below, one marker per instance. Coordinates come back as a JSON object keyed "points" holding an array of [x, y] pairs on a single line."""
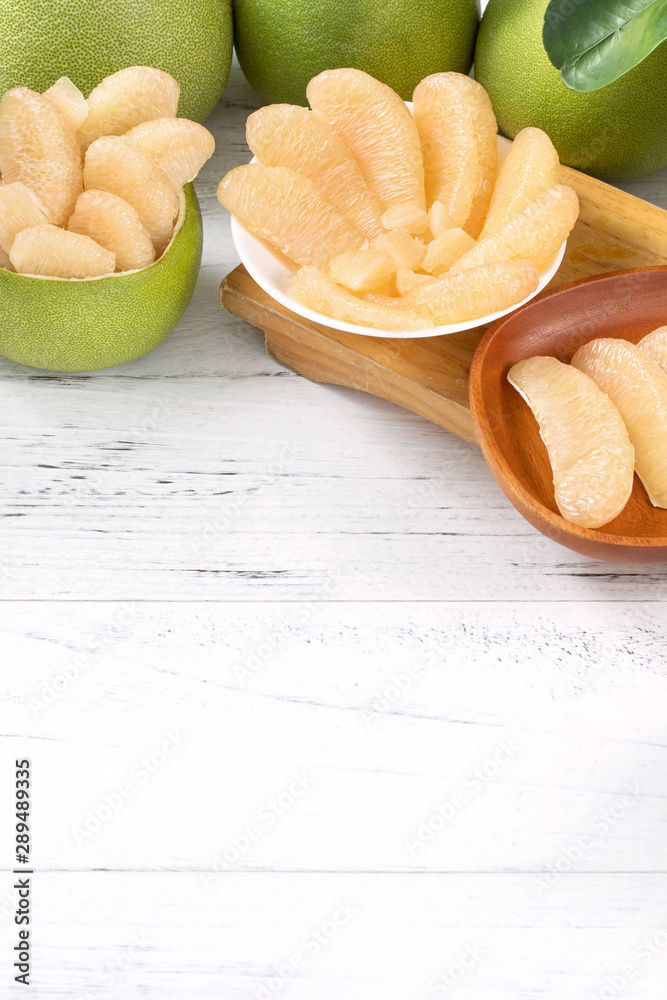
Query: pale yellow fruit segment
{"points": [[312, 287], [406, 280], [127, 98], [69, 100], [115, 226], [458, 130], [655, 345], [591, 456], [20, 208], [127, 171], [404, 249], [377, 127], [409, 217], [638, 387], [39, 149], [535, 233], [57, 253], [530, 168], [478, 291], [445, 250], [289, 211], [439, 220], [286, 135], [362, 270], [181, 147]]}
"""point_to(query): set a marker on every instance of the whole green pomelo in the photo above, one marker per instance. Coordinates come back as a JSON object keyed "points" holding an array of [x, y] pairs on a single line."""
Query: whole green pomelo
{"points": [[86, 40], [613, 133], [73, 325], [281, 46]]}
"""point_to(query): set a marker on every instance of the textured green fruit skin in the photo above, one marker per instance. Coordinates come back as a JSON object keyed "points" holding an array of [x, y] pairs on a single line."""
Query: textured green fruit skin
{"points": [[72, 326], [42, 40], [614, 133], [282, 45]]}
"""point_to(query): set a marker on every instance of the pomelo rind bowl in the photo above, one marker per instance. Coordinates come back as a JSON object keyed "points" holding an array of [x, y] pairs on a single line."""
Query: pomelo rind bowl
{"points": [[84, 324], [274, 273]]}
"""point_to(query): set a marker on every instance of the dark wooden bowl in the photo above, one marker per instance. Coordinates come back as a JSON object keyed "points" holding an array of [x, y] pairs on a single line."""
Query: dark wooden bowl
{"points": [[627, 304]]}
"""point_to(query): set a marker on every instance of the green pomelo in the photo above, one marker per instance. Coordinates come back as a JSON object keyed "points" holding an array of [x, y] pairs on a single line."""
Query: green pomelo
{"points": [[281, 46], [80, 325], [42, 40], [613, 133]]}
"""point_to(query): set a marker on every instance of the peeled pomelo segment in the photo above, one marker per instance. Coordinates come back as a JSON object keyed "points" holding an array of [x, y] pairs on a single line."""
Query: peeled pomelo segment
{"points": [[181, 147], [377, 127], [362, 270], [476, 292], [115, 226], [458, 129], [445, 250], [439, 220], [655, 345], [638, 387], [20, 208], [39, 149], [286, 135], [57, 253], [312, 287], [69, 100], [403, 248], [530, 168], [592, 458], [123, 169], [289, 211], [535, 233], [409, 217], [406, 280], [128, 98]]}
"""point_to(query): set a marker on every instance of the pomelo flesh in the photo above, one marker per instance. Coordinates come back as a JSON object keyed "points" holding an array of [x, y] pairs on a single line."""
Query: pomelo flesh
{"points": [[457, 129], [126, 170], [38, 148], [69, 100], [19, 208], [445, 250], [289, 211], [126, 99], [362, 270], [377, 127], [312, 287], [180, 147], [285, 135], [530, 168], [592, 458], [115, 226], [638, 387], [478, 291], [57, 253], [655, 345], [535, 233]]}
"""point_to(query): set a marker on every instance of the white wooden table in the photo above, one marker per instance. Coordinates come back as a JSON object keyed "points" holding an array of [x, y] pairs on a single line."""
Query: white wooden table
{"points": [[312, 712]]}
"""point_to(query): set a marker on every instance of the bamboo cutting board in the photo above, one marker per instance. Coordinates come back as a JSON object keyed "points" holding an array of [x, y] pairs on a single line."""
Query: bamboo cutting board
{"points": [[429, 375]]}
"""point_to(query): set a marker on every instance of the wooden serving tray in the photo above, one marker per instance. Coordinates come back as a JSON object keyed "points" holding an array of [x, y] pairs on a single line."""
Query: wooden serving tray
{"points": [[429, 375]]}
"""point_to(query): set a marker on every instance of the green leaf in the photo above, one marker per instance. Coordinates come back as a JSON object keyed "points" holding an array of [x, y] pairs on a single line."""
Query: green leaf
{"points": [[594, 42]]}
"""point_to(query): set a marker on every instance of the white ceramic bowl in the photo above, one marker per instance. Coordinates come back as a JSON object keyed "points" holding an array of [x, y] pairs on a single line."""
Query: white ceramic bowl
{"points": [[274, 273]]}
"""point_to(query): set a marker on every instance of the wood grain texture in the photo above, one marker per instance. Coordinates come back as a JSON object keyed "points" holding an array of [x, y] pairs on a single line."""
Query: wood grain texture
{"points": [[249, 937]]}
